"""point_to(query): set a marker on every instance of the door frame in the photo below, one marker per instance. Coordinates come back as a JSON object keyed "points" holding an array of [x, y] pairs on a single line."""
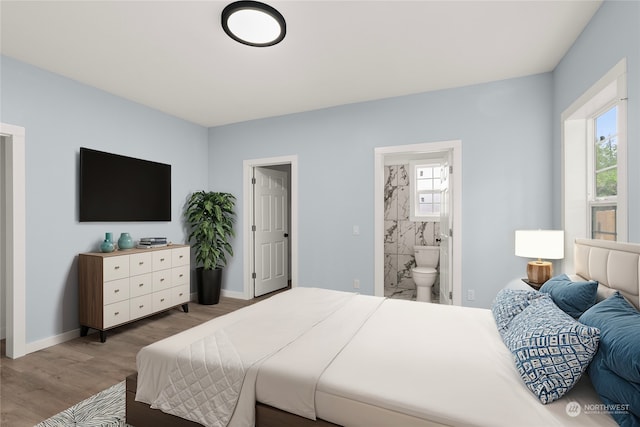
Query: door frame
{"points": [[247, 211], [15, 240], [430, 147]]}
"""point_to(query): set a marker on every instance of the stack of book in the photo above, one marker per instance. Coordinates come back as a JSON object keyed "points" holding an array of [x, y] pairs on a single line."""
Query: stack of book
{"points": [[152, 242]]}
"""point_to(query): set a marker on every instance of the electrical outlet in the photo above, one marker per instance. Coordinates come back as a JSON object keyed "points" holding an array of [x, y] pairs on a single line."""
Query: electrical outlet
{"points": [[471, 295], [356, 283]]}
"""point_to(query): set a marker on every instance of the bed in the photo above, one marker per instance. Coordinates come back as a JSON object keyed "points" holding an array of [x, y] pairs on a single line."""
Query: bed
{"points": [[356, 360]]}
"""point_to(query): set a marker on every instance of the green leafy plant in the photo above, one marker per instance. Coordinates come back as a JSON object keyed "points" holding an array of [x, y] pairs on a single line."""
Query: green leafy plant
{"points": [[210, 216]]}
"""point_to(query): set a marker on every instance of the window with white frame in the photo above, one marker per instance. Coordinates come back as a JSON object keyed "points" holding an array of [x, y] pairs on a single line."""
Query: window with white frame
{"points": [[424, 186], [603, 174], [594, 179]]}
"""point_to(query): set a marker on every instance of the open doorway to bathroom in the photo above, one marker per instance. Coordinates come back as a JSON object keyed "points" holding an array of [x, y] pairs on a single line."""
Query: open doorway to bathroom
{"points": [[413, 171]]}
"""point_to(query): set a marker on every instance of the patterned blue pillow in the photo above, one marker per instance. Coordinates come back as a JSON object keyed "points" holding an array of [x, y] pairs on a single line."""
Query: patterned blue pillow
{"points": [[551, 350], [509, 303]]}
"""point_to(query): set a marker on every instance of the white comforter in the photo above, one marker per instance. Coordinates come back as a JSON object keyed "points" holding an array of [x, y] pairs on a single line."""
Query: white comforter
{"points": [[212, 380]]}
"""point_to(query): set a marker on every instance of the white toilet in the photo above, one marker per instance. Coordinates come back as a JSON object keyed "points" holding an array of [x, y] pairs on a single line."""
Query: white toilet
{"points": [[424, 275]]}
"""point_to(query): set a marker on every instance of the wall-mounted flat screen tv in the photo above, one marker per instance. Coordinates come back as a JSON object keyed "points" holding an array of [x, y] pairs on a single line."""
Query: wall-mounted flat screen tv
{"points": [[120, 188]]}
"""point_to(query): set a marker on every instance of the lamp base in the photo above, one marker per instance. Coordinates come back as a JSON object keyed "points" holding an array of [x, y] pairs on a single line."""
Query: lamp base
{"points": [[539, 272]]}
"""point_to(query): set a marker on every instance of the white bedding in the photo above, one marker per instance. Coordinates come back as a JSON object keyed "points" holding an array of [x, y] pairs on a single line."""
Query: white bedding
{"points": [[212, 379], [388, 362]]}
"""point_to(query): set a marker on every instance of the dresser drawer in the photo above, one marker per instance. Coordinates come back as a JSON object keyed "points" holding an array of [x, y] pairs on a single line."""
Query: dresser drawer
{"points": [[139, 264], [161, 259], [180, 276], [141, 306], [161, 300], [161, 280], [116, 290], [116, 313], [116, 267], [180, 295], [140, 285], [180, 256]]}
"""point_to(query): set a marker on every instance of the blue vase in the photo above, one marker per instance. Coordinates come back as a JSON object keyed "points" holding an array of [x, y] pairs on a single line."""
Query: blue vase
{"points": [[125, 241], [107, 245]]}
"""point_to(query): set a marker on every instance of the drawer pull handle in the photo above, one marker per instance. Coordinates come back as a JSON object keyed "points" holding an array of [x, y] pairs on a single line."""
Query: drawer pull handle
{"points": [[162, 279], [181, 275], [180, 294], [116, 291], [117, 267], [161, 299], [161, 259], [141, 262], [181, 256], [116, 313], [141, 306], [141, 285]]}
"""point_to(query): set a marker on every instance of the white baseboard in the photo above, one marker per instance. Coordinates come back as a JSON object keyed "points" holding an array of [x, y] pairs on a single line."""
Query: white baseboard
{"points": [[234, 294], [51, 341]]}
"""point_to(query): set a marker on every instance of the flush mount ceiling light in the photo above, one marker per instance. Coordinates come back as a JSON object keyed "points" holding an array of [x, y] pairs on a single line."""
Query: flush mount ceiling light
{"points": [[253, 23]]}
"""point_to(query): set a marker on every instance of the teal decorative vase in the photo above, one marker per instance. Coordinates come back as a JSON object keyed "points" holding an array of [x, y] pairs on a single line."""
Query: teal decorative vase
{"points": [[107, 245], [125, 241]]}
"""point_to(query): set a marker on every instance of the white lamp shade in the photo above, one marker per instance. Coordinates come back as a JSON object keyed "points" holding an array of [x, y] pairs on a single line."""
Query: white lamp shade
{"points": [[541, 244]]}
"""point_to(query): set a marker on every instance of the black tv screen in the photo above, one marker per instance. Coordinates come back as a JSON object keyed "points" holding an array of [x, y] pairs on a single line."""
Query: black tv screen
{"points": [[120, 188]]}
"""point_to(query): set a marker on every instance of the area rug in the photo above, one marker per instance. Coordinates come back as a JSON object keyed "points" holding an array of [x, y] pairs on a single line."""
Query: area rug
{"points": [[106, 408]]}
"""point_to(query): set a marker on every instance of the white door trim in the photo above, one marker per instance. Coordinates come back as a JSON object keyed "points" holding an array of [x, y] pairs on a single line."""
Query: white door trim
{"points": [[247, 173], [15, 246], [431, 147]]}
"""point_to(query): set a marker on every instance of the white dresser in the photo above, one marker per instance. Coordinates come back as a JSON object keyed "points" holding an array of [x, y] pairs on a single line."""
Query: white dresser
{"points": [[123, 286]]}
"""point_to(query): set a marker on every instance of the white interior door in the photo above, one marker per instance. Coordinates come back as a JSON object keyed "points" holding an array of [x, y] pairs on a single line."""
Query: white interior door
{"points": [[270, 230], [446, 227]]}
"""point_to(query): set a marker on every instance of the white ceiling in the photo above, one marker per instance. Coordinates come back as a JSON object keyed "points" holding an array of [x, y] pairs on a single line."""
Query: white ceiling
{"points": [[174, 56]]}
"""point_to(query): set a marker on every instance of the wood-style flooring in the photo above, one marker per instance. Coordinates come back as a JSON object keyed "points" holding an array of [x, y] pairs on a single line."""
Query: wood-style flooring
{"points": [[41, 384]]}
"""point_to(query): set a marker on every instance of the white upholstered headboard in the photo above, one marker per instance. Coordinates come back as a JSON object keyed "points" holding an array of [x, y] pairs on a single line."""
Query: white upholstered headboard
{"points": [[614, 265]]}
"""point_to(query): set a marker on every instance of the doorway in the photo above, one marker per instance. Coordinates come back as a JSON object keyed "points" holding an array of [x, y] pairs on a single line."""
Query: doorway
{"points": [[428, 233], [270, 228], [270, 216], [13, 227]]}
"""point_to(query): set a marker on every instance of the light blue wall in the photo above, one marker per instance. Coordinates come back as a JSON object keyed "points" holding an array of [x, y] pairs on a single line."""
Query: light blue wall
{"points": [[612, 34], [505, 128], [59, 116], [509, 130]]}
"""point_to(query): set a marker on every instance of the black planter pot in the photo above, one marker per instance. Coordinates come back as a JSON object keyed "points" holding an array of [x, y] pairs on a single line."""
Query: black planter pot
{"points": [[209, 284]]}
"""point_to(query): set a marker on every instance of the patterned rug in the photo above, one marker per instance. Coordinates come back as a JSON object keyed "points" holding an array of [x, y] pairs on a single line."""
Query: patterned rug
{"points": [[106, 408]]}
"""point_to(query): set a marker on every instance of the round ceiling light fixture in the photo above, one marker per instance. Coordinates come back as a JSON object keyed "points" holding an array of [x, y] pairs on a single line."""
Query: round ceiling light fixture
{"points": [[253, 23]]}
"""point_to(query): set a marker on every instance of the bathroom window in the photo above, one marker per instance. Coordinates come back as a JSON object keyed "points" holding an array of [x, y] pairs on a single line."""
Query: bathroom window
{"points": [[424, 187]]}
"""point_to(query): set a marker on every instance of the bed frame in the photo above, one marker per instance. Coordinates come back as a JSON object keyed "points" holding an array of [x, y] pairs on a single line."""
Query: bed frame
{"points": [[141, 415], [616, 266]]}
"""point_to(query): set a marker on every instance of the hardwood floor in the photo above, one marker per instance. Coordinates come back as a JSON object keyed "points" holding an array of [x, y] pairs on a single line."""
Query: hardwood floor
{"points": [[41, 384]]}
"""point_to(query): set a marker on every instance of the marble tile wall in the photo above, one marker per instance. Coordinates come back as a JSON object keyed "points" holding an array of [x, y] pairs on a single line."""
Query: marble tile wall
{"points": [[401, 235]]}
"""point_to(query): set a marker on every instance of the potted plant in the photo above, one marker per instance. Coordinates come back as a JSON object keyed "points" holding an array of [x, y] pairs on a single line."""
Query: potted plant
{"points": [[210, 217]]}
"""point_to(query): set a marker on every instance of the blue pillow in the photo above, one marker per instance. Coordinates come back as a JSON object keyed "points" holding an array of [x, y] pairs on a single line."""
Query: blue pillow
{"points": [[615, 390], [550, 349], [619, 324], [574, 298], [509, 303]]}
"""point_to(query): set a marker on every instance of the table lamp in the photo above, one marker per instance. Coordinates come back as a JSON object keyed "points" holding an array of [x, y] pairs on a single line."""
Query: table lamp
{"points": [[540, 244]]}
